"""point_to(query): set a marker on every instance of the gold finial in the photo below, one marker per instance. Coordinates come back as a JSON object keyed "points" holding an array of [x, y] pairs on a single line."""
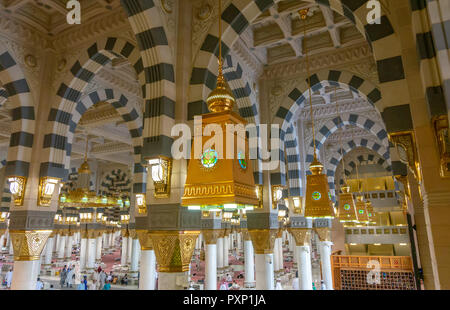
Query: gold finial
{"points": [[221, 98]]}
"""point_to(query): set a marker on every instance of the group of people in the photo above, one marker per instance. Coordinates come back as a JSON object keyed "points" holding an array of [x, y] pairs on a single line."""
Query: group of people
{"points": [[67, 276]]}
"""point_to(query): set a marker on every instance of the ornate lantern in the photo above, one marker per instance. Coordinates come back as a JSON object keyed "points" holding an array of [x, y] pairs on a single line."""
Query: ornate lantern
{"points": [[47, 186], [17, 188], [214, 181], [361, 210], [347, 209], [318, 203], [161, 171]]}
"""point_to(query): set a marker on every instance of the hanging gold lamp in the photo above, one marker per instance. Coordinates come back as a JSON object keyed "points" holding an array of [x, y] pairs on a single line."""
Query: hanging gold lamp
{"points": [[346, 210], [370, 213], [214, 181], [317, 203]]}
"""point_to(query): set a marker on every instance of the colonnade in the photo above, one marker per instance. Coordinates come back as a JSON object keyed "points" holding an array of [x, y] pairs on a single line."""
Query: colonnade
{"points": [[263, 256]]}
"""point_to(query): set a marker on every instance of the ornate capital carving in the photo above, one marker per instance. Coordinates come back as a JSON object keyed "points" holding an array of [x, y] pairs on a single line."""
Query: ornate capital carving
{"points": [[263, 240], [28, 244], [173, 249], [211, 235], [245, 235], [324, 233], [442, 134], [144, 240], [302, 236]]}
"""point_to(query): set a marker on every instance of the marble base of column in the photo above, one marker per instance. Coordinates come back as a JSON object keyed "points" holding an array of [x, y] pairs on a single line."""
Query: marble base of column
{"points": [[172, 280], [147, 278], [25, 275]]}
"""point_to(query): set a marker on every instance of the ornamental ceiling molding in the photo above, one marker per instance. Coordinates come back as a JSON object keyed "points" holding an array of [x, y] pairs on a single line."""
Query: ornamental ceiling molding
{"points": [[168, 10], [29, 62], [12, 29], [111, 147], [328, 111], [245, 57], [336, 58], [204, 15]]}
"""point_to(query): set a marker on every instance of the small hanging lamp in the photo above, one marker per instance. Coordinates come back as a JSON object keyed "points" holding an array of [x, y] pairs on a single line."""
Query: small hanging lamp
{"points": [[361, 207], [317, 203]]}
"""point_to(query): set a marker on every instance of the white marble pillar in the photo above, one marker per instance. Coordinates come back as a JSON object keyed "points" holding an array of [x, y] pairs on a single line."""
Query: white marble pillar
{"points": [[219, 253], [98, 254], [249, 264], [276, 257], [135, 249], [62, 246], [25, 274], [83, 254], [129, 249], [325, 258], [11, 249], [91, 252], [210, 267], [226, 245], [49, 252], [147, 275], [68, 248], [239, 241], [304, 267], [264, 271], [280, 253], [56, 246], [124, 254]]}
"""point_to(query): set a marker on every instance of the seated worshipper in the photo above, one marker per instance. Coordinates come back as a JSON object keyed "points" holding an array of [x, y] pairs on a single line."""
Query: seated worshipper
{"points": [[235, 286], [229, 278], [223, 286], [107, 286], [295, 282], [39, 284], [124, 280], [278, 287]]}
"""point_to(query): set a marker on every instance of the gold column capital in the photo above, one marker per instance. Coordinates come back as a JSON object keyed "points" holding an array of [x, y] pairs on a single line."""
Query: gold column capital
{"points": [[324, 233], [133, 234], [263, 240], [245, 234], [144, 240], [173, 249], [28, 244], [302, 236], [280, 233], [125, 233], [211, 235]]}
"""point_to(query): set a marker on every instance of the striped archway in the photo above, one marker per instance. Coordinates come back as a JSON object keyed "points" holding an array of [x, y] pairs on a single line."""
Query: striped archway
{"points": [[383, 39], [16, 88], [361, 121], [117, 178], [157, 64], [61, 116]]}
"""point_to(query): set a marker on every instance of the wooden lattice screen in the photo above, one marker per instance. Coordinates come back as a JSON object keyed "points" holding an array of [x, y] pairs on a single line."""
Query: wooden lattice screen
{"points": [[350, 273]]}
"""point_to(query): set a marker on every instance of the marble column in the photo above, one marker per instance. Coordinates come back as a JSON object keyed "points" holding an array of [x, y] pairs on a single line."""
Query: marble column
{"points": [[134, 265], [263, 243], [129, 250], [220, 253], [226, 245], [249, 262], [99, 245], [83, 251], [280, 253], [27, 252], [147, 279], [62, 246], [124, 254], [68, 247], [173, 274], [325, 244], [210, 237], [302, 237], [91, 252], [276, 257], [49, 252]]}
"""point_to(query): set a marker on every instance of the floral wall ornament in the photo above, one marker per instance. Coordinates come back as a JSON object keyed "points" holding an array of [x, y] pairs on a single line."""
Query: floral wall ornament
{"points": [[167, 6], [30, 61]]}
